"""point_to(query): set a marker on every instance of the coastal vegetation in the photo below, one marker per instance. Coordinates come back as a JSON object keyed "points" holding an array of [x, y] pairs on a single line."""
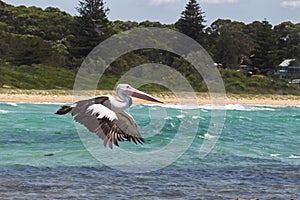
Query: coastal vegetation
{"points": [[44, 48]]}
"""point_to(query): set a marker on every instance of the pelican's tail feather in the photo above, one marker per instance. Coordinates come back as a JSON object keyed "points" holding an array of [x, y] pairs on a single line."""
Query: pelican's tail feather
{"points": [[64, 110]]}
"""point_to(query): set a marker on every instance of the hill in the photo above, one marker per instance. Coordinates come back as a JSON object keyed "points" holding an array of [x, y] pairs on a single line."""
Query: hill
{"points": [[44, 48]]}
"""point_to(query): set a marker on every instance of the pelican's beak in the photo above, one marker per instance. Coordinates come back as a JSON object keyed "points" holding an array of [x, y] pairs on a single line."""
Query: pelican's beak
{"points": [[142, 95]]}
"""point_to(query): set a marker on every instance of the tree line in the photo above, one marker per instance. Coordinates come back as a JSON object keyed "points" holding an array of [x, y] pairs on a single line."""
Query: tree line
{"points": [[31, 35]]}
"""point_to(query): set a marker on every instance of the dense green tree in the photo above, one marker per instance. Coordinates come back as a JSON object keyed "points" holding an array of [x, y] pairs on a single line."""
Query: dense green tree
{"points": [[120, 26], [229, 44], [34, 33], [90, 28], [192, 22], [283, 32], [27, 50], [264, 54], [94, 16], [294, 50], [288, 40], [49, 24]]}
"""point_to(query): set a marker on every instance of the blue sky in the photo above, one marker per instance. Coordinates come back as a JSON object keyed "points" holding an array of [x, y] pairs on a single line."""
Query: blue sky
{"points": [[168, 11]]}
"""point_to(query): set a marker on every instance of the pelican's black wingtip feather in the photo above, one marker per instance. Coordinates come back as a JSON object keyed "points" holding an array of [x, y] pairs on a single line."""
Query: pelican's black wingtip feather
{"points": [[141, 140], [63, 110]]}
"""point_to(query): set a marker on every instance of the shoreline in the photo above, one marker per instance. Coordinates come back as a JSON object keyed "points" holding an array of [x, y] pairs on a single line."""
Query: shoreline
{"points": [[66, 96]]}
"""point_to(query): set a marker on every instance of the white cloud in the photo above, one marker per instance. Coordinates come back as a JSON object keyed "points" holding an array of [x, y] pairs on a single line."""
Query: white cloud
{"points": [[220, 1], [290, 4], [162, 2]]}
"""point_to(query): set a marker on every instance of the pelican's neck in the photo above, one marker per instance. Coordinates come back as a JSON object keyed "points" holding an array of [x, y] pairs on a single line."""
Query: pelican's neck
{"points": [[123, 103]]}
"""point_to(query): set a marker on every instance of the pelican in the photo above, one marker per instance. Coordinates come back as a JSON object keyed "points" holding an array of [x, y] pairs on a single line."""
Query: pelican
{"points": [[105, 115]]}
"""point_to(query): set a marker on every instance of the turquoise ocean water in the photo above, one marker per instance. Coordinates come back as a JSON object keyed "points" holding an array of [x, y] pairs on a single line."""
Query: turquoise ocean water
{"points": [[257, 155]]}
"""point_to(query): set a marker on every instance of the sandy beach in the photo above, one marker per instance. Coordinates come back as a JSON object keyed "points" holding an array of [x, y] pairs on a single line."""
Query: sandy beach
{"points": [[67, 96]]}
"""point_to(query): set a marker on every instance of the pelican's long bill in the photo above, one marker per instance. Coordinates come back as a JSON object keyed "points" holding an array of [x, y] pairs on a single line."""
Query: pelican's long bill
{"points": [[142, 95]]}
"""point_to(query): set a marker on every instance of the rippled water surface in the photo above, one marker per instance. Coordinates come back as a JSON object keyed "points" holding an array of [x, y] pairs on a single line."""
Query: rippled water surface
{"points": [[257, 155]]}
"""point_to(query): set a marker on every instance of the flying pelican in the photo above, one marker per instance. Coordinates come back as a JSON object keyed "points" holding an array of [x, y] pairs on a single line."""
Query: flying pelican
{"points": [[105, 116]]}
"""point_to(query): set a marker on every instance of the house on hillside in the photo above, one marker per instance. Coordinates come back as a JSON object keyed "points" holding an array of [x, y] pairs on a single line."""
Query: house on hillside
{"points": [[286, 70]]}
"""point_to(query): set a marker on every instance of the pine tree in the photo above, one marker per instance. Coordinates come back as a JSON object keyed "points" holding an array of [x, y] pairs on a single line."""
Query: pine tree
{"points": [[264, 54], [192, 21], [94, 15], [92, 26]]}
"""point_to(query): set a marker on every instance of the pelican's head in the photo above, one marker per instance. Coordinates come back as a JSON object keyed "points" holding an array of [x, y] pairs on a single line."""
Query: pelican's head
{"points": [[125, 89]]}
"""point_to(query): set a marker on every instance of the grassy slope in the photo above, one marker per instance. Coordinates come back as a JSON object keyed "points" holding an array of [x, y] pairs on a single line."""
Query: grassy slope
{"points": [[42, 77], [36, 77]]}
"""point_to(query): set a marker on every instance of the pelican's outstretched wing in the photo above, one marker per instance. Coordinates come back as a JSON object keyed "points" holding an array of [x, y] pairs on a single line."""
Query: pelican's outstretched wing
{"points": [[126, 123], [110, 126]]}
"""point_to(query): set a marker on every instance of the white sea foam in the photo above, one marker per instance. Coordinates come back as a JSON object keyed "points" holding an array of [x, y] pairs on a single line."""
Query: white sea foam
{"points": [[173, 124], [13, 104], [180, 116], [245, 118], [238, 107], [294, 157], [9, 103], [208, 136], [197, 117], [175, 106], [275, 155], [4, 111]]}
